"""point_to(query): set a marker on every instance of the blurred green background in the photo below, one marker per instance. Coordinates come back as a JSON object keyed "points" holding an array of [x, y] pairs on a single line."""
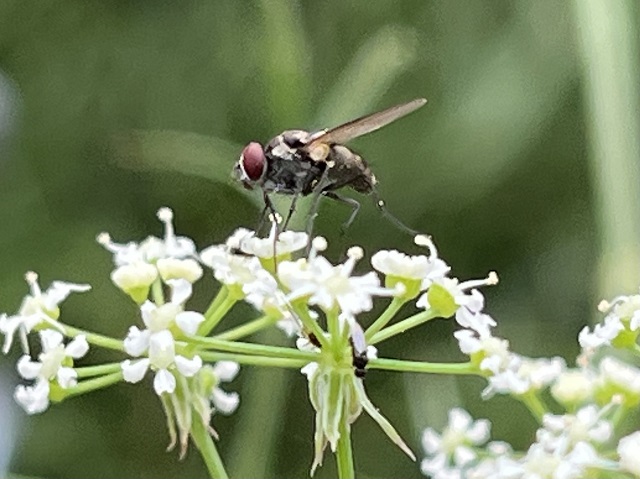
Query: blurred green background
{"points": [[524, 161]]}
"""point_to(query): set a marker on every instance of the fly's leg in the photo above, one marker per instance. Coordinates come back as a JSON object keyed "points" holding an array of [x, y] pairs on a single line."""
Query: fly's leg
{"points": [[292, 208], [380, 204], [354, 204]]}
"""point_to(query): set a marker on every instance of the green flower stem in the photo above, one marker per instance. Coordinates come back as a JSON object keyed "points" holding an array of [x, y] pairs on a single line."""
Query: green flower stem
{"points": [[208, 451], [404, 325], [94, 384], [423, 367], [384, 318], [91, 371], [254, 349], [214, 315], [217, 301], [333, 326], [534, 404], [247, 328], [95, 339], [311, 325], [618, 416], [156, 292], [252, 360], [344, 454]]}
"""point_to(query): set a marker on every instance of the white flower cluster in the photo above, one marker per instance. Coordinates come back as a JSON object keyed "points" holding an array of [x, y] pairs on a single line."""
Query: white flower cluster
{"points": [[574, 445], [54, 368], [566, 447], [170, 262]]}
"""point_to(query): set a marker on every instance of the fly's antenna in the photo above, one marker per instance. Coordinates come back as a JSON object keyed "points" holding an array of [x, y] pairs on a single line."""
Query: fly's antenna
{"points": [[381, 205]]}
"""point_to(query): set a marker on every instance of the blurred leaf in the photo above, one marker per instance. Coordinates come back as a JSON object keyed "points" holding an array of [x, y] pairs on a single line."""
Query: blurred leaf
{"points": [[182, 152], [373, 69]]}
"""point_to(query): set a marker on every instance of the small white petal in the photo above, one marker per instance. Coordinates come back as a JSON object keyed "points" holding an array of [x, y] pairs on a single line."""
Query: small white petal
{"points": [[133, 276], [174, 268], [50, 339], [310, 370], [189, 321], [628, 448], [226, 370], [67, 377], [134, 371], [162, 349], [27, 368], [59, 291], [225, 402], [33, 399], [78, 347], [164, 382], [188, 367], [136, 342], [181, 290]]}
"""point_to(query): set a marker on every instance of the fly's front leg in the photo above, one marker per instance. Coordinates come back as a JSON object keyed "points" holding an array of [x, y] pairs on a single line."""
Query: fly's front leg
{"points": [[292, 208]]}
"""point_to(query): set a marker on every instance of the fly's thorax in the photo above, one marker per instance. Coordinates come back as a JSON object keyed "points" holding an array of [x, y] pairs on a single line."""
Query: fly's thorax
{"points": [[286, 145]]}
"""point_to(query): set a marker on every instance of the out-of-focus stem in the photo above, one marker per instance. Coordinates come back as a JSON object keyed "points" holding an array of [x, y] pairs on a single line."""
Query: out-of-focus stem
{"points": [[608, 41]]}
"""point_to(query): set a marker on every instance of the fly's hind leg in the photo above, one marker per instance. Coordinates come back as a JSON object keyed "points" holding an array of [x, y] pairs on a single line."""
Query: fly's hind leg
{"points": [[354, 204]]}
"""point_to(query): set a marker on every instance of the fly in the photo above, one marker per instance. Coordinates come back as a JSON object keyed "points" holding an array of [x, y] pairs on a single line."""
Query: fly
{"points": [[299, 163]]}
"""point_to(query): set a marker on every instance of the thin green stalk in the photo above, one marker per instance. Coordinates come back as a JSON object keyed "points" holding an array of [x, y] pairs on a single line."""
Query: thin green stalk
{"points": [[311, 325], [254, 349], [91, 371], [534, 404], [94, 338], [344, 454], [422, 367], [214, 316], [94, 384], [156, 292], [247, 328], [255, 360], [384, 318], [208, 451], [404, 325], [221, 295]]}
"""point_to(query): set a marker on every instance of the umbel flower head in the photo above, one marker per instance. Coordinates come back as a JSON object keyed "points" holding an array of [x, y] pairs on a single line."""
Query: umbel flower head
{"points": [[54, 369], [38, 309]]}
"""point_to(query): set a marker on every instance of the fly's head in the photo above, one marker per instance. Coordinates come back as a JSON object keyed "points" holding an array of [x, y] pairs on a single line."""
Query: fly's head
{"points": [[251, 166]]}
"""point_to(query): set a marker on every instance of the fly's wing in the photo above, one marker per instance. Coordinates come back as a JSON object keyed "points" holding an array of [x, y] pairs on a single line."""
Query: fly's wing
{"points": [[317, 146]]}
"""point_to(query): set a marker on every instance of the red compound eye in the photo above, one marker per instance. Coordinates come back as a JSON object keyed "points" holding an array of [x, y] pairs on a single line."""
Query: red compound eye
{"points": [[253, 161]]}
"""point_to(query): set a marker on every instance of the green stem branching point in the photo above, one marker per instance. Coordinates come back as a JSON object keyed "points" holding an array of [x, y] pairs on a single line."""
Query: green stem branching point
{"points": [[344, 453], [208, 451], [92, 371], [94, 338], [94, 384], [422, 367], [253, 349], [247, 328], [384, 318], [404, 325], [253, 360]]}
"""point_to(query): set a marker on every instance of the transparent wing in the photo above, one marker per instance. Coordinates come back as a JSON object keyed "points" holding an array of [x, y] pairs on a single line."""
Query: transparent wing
{"points": [[363, 125]]}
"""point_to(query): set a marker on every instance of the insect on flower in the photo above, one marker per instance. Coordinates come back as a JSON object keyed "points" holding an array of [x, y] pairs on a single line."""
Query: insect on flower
{"points": [[300, 163]]}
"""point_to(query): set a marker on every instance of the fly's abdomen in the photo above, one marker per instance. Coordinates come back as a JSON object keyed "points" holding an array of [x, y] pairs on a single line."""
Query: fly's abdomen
{"points": [[346, 168]]}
